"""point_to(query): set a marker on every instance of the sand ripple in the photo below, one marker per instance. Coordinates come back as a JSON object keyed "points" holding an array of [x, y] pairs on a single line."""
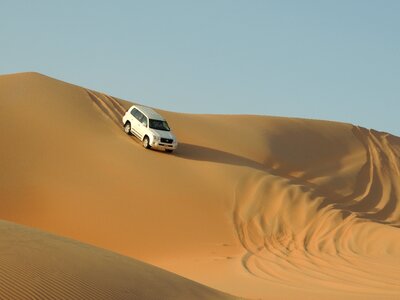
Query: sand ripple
{"points": [[297, 234]]}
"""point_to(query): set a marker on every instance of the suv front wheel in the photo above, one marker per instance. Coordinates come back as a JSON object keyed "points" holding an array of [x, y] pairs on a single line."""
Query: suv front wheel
{"points": [[146, 142]]}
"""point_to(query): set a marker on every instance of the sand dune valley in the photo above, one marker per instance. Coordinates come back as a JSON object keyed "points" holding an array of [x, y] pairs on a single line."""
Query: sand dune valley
{"points": [[248, 207]]}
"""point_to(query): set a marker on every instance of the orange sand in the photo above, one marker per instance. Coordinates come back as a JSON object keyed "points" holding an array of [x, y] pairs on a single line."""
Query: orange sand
{"points": [[254, 206]]}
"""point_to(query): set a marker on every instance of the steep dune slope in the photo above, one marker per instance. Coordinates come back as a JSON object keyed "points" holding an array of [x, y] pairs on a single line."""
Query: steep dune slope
{"points": [[254, 206]]}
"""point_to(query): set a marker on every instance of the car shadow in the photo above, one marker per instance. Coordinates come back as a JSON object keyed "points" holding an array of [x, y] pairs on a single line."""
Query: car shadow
{"points": [[200, 153]]}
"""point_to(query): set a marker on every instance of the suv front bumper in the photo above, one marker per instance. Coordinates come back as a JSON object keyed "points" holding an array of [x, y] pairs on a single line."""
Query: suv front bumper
{"points": [[161, 145]]}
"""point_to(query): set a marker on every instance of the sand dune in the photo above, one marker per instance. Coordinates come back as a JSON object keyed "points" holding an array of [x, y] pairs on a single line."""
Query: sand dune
{"points": [[296, 232], [255, 206], [37, 265]]}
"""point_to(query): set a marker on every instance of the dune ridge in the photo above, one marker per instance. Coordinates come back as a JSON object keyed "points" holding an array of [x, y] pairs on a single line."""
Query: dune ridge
{"points": [[255, 206]]}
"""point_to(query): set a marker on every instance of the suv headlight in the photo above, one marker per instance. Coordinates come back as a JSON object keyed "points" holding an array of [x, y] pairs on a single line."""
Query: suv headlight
{"points": [[156, 137]]}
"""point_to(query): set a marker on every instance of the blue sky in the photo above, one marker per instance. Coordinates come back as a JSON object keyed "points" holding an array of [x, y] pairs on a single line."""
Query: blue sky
{"points": [[335, 60]]}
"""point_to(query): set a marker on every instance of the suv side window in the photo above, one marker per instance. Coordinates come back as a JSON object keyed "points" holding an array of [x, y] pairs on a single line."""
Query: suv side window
{"points": [[137, 114], [143, 120]]}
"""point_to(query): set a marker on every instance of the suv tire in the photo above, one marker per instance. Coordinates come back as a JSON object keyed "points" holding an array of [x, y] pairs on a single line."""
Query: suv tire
{"points": [[146, 142], [127, 128]]}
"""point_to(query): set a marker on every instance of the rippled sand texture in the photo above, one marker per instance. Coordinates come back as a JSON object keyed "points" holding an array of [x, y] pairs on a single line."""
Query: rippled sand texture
{"points": [[254, 206], [299, 233], [38, 265]]}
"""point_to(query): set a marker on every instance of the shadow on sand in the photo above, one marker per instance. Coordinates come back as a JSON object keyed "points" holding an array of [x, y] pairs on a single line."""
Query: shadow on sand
{"points": [[200, 153]]}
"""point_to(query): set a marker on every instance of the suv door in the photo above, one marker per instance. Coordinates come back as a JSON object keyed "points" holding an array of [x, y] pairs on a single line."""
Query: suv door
{"points": [[143, 123], [135, 122]]}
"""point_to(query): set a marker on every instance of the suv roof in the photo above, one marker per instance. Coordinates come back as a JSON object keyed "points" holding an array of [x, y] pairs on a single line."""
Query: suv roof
{"points": [[150, 113]]}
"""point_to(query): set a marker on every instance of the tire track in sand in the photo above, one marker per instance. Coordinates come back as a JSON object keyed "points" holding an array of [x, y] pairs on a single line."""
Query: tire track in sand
{"points": [[109, 106], [296, 235]]}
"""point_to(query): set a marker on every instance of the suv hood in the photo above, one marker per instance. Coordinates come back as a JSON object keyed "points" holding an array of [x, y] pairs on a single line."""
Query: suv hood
{"points": [[163, 134]]}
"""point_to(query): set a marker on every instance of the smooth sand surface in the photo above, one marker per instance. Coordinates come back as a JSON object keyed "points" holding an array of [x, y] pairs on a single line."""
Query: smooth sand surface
{"points": [[254, 206]]}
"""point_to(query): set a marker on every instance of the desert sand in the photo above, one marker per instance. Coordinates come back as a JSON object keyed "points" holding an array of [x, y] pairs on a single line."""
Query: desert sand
{"points": [[39, 265], [257, 207]]}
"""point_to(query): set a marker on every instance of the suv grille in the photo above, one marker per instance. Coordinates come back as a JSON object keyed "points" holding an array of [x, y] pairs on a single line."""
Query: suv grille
{"points": [[167, 140]]}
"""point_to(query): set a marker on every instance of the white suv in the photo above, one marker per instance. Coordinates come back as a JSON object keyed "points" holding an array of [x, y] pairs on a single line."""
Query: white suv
{"points": [[149, 127]]}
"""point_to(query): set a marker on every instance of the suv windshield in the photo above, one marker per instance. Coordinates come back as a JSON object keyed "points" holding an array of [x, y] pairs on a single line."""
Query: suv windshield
{"points": [[159, 125]]}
